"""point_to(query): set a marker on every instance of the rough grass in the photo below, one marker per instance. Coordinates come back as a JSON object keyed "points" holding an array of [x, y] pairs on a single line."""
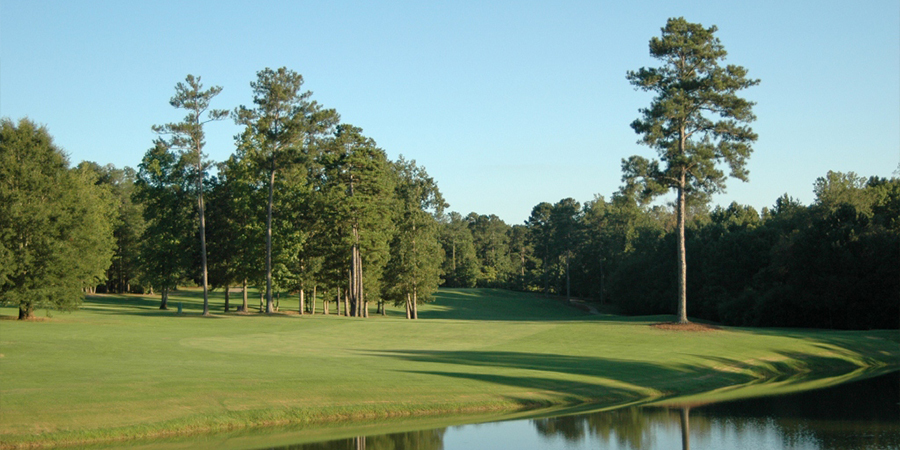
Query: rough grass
{"points": [[120, 368]]}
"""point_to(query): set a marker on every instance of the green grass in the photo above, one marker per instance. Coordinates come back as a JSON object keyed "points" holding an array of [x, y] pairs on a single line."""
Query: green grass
{"points": [[120, 368]]}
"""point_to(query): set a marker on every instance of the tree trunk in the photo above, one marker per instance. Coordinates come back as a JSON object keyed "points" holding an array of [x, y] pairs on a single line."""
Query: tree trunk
{"points": [[26, 311], [453, 252], [682, 256], [244, 294], [202, 236], [568, 283], [302, 303], [350, 284], [346, 303], [227, 293], [269, 239], [408, 307], [164, 301], [415, 303], [522, 270], [355, 273]]}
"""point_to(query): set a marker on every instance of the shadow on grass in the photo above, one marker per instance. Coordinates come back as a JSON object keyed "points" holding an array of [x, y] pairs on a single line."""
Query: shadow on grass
{"points": [[192, 306], [575, 365], [566, 392], [618, 381], [497, 304], [148, 306], [795, 368], [876, 348]]}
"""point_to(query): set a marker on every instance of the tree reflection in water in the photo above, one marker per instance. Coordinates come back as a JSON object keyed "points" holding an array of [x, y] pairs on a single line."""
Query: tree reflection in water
{"points": [[415, 440], [860, 415]]}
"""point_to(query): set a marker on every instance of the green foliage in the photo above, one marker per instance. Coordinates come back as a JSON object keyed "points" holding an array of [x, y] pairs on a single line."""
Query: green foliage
{"points": [[541, 238], [836, 189], [237, 223], [124, 274], [56, 223], [491, 240], [164, 189], [833, 264], [695, 121], [556, 235], [521, 261], [461, 266], [281, 133], [696, 118], [357, 188], [414, 270], [188, 135]]}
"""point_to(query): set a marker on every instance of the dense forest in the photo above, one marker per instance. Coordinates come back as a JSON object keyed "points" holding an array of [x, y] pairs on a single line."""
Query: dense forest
{"points": [[311, 209]]}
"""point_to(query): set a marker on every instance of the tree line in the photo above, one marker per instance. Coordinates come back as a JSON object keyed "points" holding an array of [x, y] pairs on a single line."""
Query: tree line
{"points": [[832, 264], [308, 206]]}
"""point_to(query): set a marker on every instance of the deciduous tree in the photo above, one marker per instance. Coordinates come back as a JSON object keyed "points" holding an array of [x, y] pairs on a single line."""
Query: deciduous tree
{"points": [[163, 188], [56, 235]]}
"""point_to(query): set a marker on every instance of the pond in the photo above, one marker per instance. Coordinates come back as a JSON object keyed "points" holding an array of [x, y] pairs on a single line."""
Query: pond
{"points": [[857, 415]]}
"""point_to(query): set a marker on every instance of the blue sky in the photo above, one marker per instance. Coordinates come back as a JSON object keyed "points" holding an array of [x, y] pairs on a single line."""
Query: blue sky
{"points": [[506, 104]]}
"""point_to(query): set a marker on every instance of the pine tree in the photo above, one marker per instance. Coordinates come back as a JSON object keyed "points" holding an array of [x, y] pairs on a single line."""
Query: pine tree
{"points": [[695, 121], [414, 269], [188, 136], [281, 128], [360, 188]]}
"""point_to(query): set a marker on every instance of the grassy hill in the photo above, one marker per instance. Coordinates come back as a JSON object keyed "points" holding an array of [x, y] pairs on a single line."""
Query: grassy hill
{"points": [[121, 368]]}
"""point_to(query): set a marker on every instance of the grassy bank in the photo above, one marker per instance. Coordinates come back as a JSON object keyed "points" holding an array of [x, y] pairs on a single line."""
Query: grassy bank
{"points": [[120, 368]]}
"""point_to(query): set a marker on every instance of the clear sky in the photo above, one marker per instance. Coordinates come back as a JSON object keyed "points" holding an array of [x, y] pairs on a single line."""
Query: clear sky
{"points": [[506, 104]]}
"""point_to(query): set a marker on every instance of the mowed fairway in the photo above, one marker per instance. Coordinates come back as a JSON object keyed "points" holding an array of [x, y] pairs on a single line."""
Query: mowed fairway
{"points": [[119, 367]]}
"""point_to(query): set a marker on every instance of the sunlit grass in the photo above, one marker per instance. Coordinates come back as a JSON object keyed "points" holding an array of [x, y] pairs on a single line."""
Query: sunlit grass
{"points": [[121, 367]]}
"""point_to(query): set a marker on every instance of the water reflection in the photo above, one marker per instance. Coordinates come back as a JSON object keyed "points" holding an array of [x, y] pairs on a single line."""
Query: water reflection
{"points": [[418, 440], [859, 415]]}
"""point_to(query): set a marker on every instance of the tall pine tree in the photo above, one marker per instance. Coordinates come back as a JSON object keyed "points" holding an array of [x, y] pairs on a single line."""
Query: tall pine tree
{"points": [[695, 121], [188, 136]]}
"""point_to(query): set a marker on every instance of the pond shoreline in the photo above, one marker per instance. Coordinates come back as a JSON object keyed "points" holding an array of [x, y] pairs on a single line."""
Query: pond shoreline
{"points": [[391, 420], [120, 370]]}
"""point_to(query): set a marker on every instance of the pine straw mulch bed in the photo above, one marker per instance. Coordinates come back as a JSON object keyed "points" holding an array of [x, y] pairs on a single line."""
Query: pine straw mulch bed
{"points": [[690, 326]]}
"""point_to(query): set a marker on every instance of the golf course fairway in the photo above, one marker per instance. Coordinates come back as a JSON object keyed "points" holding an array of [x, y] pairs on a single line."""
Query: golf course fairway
{"points": [[119, 368]]}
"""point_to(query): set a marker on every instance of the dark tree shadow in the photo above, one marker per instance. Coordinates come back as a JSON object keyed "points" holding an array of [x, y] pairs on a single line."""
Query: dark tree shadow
{"points": [[567, 391]]}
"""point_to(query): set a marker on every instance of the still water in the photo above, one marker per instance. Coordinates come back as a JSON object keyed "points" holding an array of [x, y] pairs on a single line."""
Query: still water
{"points": [[859, 415]]}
